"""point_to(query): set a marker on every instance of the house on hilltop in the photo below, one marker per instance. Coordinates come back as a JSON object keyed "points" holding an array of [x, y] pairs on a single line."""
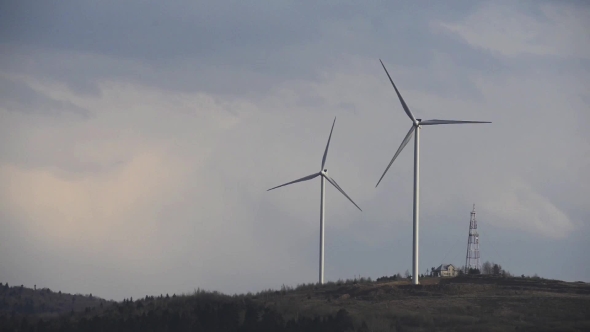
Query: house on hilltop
{"points": [[445, 270]]}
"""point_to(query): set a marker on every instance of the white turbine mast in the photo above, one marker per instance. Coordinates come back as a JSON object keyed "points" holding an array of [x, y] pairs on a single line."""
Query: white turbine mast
{"points": [[416, 126], [323, 173]]}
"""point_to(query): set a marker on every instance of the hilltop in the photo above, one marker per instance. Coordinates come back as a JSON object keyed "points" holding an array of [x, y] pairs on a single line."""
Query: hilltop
{"points": [[464, 303], [43, 302]]}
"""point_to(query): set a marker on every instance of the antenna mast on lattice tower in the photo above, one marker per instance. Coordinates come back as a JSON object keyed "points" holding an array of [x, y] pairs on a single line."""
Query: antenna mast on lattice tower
{"points": [[472, 257]]}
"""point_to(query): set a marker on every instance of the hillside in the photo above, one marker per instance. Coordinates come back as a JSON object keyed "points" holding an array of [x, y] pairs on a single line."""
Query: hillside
{"points": [[465, 303], [20, 300]]}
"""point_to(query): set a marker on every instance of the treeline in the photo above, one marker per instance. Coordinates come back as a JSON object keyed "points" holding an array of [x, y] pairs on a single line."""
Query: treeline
{"points": [[203, 312], [489, 268], [27, 301]]}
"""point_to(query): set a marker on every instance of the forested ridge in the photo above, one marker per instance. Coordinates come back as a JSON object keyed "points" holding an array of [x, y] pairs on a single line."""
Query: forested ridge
{"points": [[464, 303]]}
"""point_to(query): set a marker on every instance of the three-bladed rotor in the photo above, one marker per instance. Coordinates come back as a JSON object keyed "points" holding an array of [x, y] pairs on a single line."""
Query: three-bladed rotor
{"points": [[416, 123], [323, 172]]}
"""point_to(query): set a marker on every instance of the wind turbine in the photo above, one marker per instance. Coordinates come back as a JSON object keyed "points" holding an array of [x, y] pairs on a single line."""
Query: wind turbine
{"points": [[323, 174], [416, 126]]}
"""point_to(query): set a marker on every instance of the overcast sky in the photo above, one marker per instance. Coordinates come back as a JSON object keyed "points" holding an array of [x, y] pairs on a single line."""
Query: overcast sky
{"points": [[137, 140]]}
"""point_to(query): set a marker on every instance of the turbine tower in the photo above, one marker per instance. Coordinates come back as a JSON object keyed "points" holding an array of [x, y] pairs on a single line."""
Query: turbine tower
{"points": [[416, 126], [472, 257], [323, 174]]}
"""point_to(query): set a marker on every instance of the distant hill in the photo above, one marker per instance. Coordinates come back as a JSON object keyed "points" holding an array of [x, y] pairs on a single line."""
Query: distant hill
{"points": [[44, 302], [464, 303]]}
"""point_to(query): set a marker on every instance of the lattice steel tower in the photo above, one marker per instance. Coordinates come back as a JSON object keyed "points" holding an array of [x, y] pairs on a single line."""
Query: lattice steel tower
{"points": [[472, 257]]}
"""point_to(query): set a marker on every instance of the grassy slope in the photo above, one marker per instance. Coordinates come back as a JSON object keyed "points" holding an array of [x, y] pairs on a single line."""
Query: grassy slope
{"points": [[463, 303]]}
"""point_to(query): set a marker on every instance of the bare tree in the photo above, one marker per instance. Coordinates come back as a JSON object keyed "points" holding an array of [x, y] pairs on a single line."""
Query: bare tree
{"points": [[407, 274], [487, 268]]}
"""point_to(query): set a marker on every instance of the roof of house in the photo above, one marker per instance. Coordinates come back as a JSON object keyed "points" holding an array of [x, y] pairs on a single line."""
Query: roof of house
{"points": [[444, 267]]}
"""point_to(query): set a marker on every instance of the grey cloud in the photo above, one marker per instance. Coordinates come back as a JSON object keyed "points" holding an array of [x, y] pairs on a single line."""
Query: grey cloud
{"points": [[17, 96], [233, 48], [554, 30], [160, 31], [350, 107]]}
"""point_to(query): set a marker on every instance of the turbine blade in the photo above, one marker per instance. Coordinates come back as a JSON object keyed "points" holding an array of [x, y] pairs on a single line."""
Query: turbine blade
{"points": [[401, 147], [406, 108], [437, 122], [309, 177], [335, 184], [328, 145]]}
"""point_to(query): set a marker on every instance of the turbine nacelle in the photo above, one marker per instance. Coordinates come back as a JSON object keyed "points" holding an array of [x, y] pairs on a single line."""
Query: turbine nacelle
{"points": [[323, 173], [416, 123]]}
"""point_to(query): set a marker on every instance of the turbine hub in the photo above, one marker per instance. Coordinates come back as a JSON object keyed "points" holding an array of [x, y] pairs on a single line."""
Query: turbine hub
{"points": [[325, 170], [417, 123]]}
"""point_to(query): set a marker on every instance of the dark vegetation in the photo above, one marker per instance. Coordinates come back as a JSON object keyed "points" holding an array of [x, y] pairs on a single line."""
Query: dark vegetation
{"points": [[464, 303], [44, 302], [489, 268]]}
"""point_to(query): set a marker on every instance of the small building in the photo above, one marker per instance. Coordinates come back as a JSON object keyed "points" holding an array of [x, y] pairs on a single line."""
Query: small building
{"points": [[445, 270]]}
